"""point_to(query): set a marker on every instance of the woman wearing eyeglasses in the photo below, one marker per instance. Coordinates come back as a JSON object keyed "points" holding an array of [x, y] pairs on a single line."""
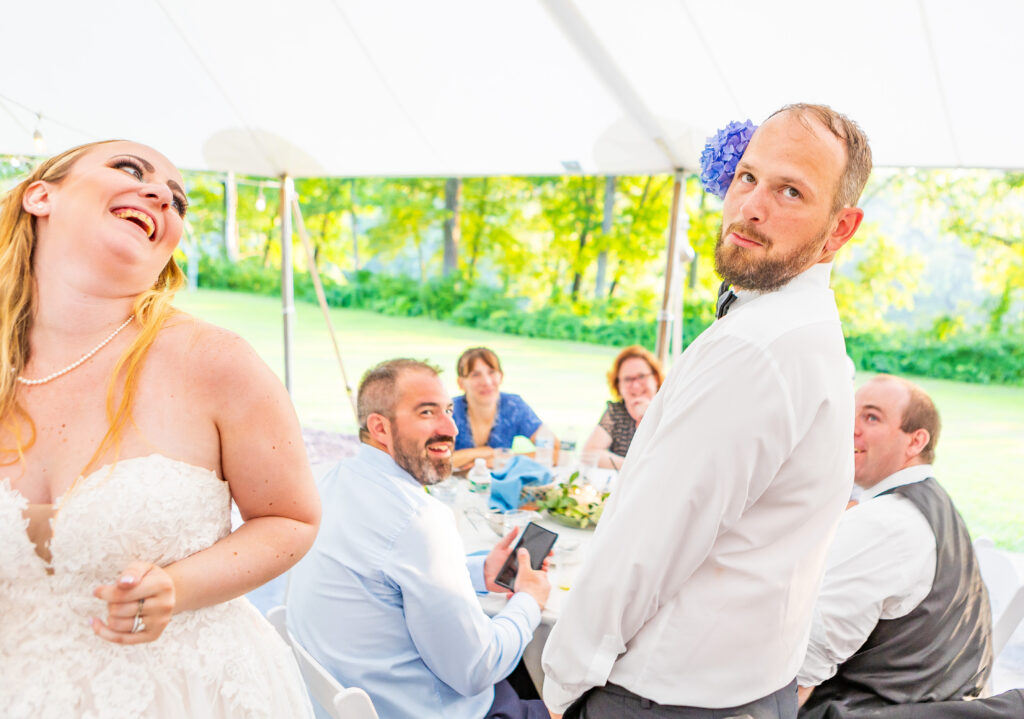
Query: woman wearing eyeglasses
{"points": [[487, 418], [634, 379]]}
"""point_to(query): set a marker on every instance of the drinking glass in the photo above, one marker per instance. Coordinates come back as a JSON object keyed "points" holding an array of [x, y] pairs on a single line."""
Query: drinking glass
{"points": [[501, 458], [589, 460], [446, 491], [516, 518]]}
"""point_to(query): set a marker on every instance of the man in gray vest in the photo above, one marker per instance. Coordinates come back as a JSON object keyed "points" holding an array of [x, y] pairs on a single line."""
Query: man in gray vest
{"points": [[903, 616]]}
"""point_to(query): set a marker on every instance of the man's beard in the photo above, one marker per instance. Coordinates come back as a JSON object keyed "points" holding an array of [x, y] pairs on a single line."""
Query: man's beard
{"points": [[744, 269], [415, 460]]}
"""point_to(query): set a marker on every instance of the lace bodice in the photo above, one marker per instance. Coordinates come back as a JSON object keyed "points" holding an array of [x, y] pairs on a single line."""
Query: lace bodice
{"points": [[153, 509]]}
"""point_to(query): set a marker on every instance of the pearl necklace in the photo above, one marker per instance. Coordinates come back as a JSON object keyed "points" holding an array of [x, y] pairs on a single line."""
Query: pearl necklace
{"points": [[82, 359]]}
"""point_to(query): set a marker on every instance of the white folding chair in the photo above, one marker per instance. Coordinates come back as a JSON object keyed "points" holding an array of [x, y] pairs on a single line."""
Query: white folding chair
{"points": [[1007, 623], [1005, 592], [999, 573], [336, 700]]}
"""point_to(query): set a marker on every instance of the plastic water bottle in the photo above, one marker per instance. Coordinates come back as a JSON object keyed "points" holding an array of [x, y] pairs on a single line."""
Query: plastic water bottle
{"points": [[544, 446], [479, 476]]}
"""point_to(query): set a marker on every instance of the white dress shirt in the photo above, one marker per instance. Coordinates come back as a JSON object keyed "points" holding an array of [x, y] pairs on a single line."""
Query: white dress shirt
{"points": [[881, 566], [384, 600], [699, 585]]}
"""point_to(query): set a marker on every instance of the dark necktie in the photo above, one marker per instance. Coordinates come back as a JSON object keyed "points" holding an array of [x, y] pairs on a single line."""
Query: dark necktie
{"points": [[725, 299]]}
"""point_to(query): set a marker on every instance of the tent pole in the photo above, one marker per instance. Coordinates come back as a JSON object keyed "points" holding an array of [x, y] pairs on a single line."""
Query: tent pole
{"points": [[231, 217], [665, 314], [307, 245], [287, 288], [684, 256]]}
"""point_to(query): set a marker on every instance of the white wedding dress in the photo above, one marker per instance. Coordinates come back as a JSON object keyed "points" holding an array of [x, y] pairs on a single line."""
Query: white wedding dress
{"points": [[219, 662]]}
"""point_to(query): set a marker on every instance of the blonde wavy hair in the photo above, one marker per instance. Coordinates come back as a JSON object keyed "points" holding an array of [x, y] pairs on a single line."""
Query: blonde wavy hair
{"points": [[17, 308]]}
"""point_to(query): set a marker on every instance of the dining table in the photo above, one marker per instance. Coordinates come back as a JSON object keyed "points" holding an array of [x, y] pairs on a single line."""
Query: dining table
{"points": [[480, 531]]}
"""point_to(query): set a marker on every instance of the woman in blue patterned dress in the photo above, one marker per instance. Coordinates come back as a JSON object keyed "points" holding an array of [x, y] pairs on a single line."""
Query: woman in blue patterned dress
{"points": [[487, 418]]}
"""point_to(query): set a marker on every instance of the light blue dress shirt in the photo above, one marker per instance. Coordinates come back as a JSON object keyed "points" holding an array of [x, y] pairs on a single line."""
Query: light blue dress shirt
{"points": [[385, 602]]}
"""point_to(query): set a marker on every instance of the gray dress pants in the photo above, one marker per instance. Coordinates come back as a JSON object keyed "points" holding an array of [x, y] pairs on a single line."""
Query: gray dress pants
{"points": [[615, 702]]}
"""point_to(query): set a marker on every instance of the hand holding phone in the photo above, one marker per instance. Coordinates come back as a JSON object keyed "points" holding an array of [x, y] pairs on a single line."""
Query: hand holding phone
{"points": [[537, 542], [532, 581]]}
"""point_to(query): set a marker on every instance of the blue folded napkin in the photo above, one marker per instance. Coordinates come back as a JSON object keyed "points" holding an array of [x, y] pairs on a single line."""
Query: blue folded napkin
{"points": [[507, 484]]}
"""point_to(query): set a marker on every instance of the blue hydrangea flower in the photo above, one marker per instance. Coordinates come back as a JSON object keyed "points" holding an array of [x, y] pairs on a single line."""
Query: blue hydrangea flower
{"points": [[721, 155]]}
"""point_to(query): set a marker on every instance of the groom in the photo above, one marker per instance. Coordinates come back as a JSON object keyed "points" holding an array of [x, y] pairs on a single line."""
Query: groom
{"points": [[697, 594]]}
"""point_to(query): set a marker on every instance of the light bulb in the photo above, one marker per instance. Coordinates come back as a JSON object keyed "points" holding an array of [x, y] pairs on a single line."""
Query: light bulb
{"points": [[37, 137], [261, 201]]}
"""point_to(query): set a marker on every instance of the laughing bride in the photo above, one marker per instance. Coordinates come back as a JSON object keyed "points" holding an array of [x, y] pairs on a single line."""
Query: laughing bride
{"points": [[126, 428]]}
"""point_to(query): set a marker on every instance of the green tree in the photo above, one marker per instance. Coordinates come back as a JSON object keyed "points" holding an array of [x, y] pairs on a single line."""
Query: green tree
{"points": [[985, 210], [494, 227], [206, 208], [328, 206], [573, 207], [638, 236], [409, 208], [874, 276]]}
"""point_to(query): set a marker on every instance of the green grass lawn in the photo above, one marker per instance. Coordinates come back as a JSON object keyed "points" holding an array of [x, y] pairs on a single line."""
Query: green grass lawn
{"points": [[979, 458]]}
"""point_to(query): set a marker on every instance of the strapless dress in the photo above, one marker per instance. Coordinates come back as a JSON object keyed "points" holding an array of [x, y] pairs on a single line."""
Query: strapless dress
{"points": [[218, 662]]}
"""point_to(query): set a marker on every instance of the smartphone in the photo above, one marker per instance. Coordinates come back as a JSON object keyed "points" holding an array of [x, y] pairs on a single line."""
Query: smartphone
{"points": [[538, 541]]}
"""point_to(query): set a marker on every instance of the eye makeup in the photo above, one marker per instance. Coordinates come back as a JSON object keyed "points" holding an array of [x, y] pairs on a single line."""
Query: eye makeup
{"points": [[141, 167]]}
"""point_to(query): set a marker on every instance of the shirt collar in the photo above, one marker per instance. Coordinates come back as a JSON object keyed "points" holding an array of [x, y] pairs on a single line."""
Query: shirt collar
{"points": [[381, 460], [816, 275], [917, 473]]}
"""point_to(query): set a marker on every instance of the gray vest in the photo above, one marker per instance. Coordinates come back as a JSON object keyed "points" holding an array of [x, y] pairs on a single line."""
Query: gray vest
{"points": [[943, 648]]}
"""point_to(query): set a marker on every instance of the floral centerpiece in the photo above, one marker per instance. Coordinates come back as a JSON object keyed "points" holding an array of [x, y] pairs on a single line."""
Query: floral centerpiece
{"points": [[573, 503]]}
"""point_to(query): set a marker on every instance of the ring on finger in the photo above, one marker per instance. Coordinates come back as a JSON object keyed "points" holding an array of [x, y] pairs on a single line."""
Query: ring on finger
{"points": [[137, 624]]}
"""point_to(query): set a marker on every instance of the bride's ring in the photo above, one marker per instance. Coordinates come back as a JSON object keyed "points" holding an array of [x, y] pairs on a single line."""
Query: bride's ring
{"points": [[138, 625]]}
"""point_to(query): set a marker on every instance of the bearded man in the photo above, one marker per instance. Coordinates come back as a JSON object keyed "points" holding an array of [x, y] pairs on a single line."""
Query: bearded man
{"points": [[385, 599], [697, 593]]}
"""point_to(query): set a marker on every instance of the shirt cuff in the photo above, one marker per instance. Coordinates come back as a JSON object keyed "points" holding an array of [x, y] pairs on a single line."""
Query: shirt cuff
{"points": [[527, 605], [556, 697], [475, 565], [816, 669]]}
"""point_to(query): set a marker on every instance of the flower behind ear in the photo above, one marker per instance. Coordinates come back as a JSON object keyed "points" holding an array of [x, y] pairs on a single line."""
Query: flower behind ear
{"points": [[722, 154]]}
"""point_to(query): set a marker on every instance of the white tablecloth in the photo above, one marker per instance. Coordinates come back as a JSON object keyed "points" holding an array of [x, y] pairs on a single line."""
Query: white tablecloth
{"points": [[562, 573]]}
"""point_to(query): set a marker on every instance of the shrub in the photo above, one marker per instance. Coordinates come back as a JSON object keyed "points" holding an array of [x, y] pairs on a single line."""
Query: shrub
{"points": [[979, 358], [994, 359]]}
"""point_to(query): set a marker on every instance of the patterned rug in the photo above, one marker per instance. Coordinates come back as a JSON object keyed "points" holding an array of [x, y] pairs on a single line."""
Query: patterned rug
{"points": [[323, 447]]}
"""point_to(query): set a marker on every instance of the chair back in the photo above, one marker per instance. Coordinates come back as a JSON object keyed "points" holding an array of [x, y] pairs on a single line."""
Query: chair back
{"points": [[1005, 590], [339, 702]]}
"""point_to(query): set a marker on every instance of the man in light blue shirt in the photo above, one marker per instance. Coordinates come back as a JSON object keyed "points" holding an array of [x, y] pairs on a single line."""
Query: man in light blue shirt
{"points": [[384, 599]]}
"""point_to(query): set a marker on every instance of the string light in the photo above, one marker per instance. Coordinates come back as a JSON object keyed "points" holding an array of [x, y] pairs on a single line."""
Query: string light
{"points": [[37, 137], [261, 201]]}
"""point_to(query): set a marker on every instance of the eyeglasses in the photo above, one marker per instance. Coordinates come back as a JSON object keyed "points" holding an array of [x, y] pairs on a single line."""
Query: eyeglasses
{"points": [[635, 378]]}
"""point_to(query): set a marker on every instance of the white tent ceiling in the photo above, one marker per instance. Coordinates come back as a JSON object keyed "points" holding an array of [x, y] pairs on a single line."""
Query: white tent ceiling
{"points": [[470, 87]]}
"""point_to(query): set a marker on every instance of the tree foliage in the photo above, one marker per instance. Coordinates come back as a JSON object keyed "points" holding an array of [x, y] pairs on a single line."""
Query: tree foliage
{"points": [[984, 210], [540, 240]]}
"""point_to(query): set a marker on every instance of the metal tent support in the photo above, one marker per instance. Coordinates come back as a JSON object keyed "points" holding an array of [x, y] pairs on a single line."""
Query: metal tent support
{"points": [[665, 315], [307, 245], [287, 286]]}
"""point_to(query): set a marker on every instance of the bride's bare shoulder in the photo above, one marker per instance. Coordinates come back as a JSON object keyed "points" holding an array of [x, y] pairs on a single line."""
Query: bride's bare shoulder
{"points": [[208, 353]]}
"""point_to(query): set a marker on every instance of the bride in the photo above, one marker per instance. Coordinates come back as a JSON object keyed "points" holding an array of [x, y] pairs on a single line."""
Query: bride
{"points": [[126, 428]]}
